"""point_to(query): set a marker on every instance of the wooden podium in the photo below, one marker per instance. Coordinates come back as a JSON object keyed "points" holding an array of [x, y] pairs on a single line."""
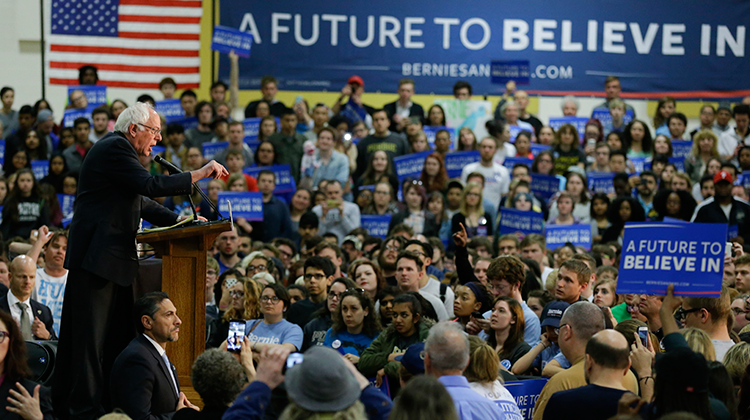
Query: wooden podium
{"points": [[183, 254]]}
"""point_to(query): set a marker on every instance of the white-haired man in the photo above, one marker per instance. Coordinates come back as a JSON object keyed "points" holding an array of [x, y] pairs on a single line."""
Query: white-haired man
{"points": [[113, 195]]}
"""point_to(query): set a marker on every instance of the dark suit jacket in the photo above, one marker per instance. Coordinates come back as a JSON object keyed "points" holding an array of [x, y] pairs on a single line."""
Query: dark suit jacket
{"points": [[416, 110], [140, 382], [39, 310], [45, 399], [112, 196]]}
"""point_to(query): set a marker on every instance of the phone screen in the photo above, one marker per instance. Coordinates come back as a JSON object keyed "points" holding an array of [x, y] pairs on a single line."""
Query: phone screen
{"points": [[293, 359], [643, 335], [236, 335]]}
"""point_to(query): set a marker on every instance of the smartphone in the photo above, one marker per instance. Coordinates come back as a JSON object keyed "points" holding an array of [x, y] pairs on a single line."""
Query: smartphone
{"points": [[236, 335], [291, 360], [477, 315], [643, 335], [728, 251], [333, 203]]}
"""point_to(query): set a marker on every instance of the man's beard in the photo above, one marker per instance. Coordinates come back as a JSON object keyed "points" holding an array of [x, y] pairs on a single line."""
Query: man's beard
{"points": [[385, 265]]}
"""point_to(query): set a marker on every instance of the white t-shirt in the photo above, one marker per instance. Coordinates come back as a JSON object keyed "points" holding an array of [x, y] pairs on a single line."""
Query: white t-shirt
{"points": [[726, 208], [433, 287], [496, 392], [496, 180], [49, 291], [436, 304], [721, 347], [508, 150]]}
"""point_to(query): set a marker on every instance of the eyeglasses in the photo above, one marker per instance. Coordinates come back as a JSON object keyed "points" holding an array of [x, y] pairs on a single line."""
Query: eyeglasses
{"points": [[272, 299], [557, 330], [153, 130], [471, 194], [77, 98], [210, 272], [3, 336], [318, 277], [682, 313], [382, 192], [391, 248], [236, 293], [256, 267]]}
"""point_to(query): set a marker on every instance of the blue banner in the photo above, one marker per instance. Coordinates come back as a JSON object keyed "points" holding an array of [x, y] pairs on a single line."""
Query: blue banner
{"points": [[376, 225], [70, 115], [570, 46], [431, 132], [559, 235], [526, 393], [410, 166], [690, 256], [171, 109], [252, 128], [603, 115], [186, 122], [510, 162], [248, 205], [518, 71], [601, 182], [95, 94], [226, 40], [639, 164], [681, 148], [66, 206], [733, 231], [673, 220], [526, 222], [578, 122], [157, 150], [455, 162], [284, 181], [2, 151], [744, 178], [211, 149], [544, 185], [536, 148], [384, 387], [40, 168]]}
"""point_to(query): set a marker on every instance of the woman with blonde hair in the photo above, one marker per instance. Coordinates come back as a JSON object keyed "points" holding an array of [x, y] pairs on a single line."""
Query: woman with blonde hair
{"points": [[484, 377], [700, 342], [705, 147], [736, 360], [471, 215]]}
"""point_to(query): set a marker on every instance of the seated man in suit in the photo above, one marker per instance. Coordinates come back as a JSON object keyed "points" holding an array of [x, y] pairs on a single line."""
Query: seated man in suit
{"points": [[34, 318], [143, 381]]}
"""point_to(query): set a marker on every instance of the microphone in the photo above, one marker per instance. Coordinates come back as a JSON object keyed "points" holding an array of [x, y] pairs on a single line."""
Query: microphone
{"points": [[172, 169], [167, 164]]}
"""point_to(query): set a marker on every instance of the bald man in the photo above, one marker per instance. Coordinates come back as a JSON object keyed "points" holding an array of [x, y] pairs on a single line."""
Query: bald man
{"points": [[34, 318], [606, 363]]}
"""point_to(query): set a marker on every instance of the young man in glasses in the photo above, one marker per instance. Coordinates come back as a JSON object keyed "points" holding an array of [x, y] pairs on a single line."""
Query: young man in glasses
{"points": [[319, 273], [709, 315]]}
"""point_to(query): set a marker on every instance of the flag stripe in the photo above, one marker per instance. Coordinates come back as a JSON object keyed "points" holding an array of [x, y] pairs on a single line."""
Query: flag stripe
{"points": [[110, 75], [104, 41], [162, 3], [165, 28], [159, 19], [124, 51], [159, 36], [159, 11], [133, 85], [141, 67]]}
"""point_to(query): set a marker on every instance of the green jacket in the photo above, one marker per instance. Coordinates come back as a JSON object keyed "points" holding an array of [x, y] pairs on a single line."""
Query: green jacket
{"points": [[375, 357], [289, 150]]}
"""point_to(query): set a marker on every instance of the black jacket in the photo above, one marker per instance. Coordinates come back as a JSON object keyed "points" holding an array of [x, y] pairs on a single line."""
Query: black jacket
{"points": [[416, 110], [39, 310], [739, 215], [431, 227], [112, 197], [45, 400]]}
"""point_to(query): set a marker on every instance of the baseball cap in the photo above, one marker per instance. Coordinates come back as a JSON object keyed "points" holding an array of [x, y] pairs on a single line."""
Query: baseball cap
{"points": [[553, 313], [354, 240], [724, 105], [356, 79], [322, 382], [723, 176], [44, 115], [413, 359]]}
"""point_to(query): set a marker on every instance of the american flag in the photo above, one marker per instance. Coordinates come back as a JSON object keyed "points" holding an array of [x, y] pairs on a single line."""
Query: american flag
{"points": [[133, 43]]}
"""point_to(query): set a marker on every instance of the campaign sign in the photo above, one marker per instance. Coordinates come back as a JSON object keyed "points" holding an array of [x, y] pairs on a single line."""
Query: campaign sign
{"points": [[681, 148], [170, 108], [639, 164], [252, 128], [70, 115], [468, 113], [431, 133], [248, 205], [559, 235], [226, 40], [157, 150], [455, 162], [376, 225], [690, 256], [604, 117], [2, 151], [678, 162], [186, 122], [601, 182], [526, 222], [536, 148], [284, 181], [510, 162], [410, 166], [384, 387], [744, 177], [578, 122], [526, 393], [40, 168], [95, 95], [66, 204], [211, 149], [668, 219], [517, 71], [545, 185], [733, 231]]}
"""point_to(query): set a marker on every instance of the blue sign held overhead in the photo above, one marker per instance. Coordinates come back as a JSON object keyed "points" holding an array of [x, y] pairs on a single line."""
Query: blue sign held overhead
{"points": [[518, 71], [70, 115], [226, 40], [66, 204], [40, 168], [284, 180], [2, 151], [410, 166], [544, 185], [376, 225], [744, 177], [688, 255], [526, 393], [559, 235], [252, 128], [211, 149], [526, 222], [578, 122], [171, 109], [95, 94], [681, 148], [601, 182], [455, 162], [248, 205], [604, 117]]}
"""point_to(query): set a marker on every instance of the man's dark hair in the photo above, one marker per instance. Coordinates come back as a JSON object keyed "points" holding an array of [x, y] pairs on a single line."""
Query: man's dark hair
{"points": [[660, 158], [287, 242], [379, 110], [320, 263], [741, 109], [287, 111], [200, 105], [6, 89], [461, 85], [679, 115], [27, 110], [481, 241], [81, 120], [308, 219], [268, 79], [327, 245], [167, 81], [402, 227], [147, 304], [607, 356], [618, 152], [188, 93], [521, 165], [583, 272], [426, 247], [175, 128], [219, 83], [100, 110], [706, 178], [410, 256], [267, 172], [332, 236], [621, 176], [508, 268], [83, 69], [146, 98], [648, 173]]}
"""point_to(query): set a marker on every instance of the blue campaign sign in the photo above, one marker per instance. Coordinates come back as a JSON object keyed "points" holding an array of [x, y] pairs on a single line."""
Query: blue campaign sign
{"points": [[455, 162], [545, 185], [211, 149], [410, 166], [518, 71], [688, 255], [681, 148], [248, 205], [601, 182], [578, 122], [384, 387], [70, 115], [226, 39], [733, 231], [186, 122], [95, 94], [744, 177], [526, 393], [431, 132], [559, 235], [603, 115], [171, 109], [668, 219], [66, 204], [40, 168], [376, 225], [571, 46], [2, 151], [157, 150], [639, 164], [510, 162], [252, 128], [678, 162], [526, 222], [536, 148], [284, 180]]}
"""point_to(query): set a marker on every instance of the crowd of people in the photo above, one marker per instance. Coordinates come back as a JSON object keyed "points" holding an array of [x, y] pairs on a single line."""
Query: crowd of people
{"points": [[438, 312]]}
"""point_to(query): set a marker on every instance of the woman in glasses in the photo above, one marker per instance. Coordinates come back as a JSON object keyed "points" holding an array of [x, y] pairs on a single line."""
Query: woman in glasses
{"points": [[471, 215], [355, 325], [245, 304], [322, 319], [273, 330]]}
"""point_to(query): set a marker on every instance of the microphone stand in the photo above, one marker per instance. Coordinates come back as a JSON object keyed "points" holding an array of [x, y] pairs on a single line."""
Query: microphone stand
{"points": [[172, 169]]}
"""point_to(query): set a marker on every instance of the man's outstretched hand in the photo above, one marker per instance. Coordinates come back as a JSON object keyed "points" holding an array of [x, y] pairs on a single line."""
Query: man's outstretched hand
{"points": [[212, 169]]}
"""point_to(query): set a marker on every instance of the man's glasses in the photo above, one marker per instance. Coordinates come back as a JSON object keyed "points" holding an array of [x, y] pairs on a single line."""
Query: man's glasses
{"points": [[153, 130], [318, 277], [557, 330], [681, 313], [272, 299], [260, 267]]}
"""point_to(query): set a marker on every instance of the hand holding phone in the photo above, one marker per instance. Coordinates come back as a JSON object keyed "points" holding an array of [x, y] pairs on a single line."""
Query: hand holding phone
{"points": [[236, 335], [643, 335]]}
